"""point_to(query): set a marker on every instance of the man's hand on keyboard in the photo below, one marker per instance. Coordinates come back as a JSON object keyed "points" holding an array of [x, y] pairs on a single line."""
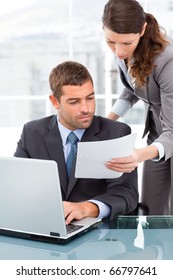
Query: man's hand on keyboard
{"points": [[79, 210]]}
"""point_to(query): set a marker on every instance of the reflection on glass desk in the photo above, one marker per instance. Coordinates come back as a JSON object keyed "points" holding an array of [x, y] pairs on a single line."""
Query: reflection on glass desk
{"points": [[127, 237]]}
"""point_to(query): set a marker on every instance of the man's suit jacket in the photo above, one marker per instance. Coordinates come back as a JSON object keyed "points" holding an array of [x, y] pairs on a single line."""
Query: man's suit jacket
{"points": [[41, 139], [158, 97]]}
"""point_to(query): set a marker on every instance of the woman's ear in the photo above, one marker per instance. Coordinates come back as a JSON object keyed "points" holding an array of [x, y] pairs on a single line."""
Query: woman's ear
{"points": [[54, 101], [143, 29]]}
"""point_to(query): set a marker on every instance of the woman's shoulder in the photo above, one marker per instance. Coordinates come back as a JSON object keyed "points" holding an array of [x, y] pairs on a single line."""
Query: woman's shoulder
{"points": [[164, 59], [167, 53]]}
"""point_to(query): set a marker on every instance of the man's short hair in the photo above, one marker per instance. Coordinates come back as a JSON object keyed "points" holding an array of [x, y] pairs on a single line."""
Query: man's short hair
{"points": [[68, 73]]}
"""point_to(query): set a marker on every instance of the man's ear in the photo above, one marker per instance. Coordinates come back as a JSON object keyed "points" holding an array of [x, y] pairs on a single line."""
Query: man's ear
{"points": [[54, 101]]}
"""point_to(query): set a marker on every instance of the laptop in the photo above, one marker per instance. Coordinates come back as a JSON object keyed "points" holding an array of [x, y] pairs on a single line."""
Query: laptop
{"points": [[31, 203]]}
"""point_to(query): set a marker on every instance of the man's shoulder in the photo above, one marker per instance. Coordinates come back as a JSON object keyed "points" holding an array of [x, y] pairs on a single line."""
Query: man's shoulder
{"points": [[109, 129], [110, 123], [41, 122]]}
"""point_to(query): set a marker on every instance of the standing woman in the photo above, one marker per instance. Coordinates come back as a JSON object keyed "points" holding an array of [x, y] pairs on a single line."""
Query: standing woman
{"points": [[145, 60]]}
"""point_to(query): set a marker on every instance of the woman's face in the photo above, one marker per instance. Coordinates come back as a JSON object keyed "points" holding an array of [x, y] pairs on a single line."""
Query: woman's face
{"points": [[123, 45]]}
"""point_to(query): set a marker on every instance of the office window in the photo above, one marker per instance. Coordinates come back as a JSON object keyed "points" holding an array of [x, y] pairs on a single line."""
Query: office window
{"points": [[36, 35]]}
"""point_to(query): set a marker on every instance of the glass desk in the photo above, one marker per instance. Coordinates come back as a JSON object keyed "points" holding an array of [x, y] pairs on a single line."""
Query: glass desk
{"points": [[127, 237]]}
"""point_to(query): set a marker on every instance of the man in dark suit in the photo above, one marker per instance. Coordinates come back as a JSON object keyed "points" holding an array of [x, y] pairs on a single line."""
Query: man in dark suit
{"points": [[74, 99]]}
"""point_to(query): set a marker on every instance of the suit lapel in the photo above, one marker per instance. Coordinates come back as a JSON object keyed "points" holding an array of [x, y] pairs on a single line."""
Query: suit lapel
{"points": [[72, 181], [124, 81], [54, 146]]}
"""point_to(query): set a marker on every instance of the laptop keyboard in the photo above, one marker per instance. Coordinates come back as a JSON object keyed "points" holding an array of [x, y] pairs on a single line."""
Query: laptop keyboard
{"points": [[71, 228]]}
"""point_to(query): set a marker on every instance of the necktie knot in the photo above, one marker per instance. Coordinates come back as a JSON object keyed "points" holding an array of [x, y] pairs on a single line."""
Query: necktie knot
{"points": [[72, 138]]}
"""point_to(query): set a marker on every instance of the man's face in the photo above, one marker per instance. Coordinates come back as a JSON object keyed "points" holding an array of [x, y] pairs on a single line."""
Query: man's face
{"points": [[76, 107]]}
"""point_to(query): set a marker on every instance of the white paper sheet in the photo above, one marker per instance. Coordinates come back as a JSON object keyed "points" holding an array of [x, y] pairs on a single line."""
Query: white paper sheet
{"points": [[91, 156]]}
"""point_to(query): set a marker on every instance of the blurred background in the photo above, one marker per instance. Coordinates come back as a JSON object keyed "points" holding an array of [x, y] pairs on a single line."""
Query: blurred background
{"points": [[36, 35]]}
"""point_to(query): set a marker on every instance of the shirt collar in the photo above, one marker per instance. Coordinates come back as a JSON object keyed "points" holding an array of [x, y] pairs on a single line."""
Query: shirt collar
{"points": [[64, 131]]}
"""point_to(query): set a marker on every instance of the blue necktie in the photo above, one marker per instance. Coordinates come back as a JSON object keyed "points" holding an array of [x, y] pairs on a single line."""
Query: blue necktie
{"points": [[72, 139]]}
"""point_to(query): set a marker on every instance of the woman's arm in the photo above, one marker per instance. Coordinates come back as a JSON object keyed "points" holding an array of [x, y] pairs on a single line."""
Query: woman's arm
{"points": [[113, 116]]}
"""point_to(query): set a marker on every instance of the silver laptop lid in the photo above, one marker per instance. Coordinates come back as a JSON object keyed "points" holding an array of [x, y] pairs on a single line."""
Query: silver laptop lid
{"points": [[30, 197]]}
